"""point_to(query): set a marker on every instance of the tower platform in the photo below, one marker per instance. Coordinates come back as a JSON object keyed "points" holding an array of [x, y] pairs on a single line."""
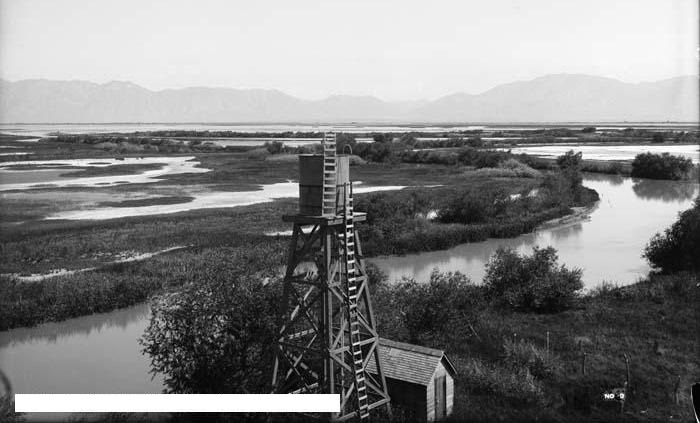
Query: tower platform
{"points": [[322, 220]]}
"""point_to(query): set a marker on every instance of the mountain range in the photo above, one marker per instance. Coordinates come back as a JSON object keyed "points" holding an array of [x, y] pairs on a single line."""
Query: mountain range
{"points": [[551, 98]]}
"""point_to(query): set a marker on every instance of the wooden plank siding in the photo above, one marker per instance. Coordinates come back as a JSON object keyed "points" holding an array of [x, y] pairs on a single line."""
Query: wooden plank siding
{"points": [[411, 372], [440, 370]]}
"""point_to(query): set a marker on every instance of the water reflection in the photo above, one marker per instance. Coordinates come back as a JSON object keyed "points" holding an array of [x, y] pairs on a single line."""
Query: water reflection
{"points": [[91, 354], [568, 231], [616, 180], [53, 332], [607, 246], [666, 191]]}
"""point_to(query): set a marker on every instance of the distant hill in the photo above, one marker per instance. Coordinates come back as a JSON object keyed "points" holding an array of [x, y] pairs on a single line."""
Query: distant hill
{"points": [[552, 98]]}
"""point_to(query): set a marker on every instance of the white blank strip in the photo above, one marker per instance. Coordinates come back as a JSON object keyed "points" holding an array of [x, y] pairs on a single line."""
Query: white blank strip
{"points": [[163, 403]]}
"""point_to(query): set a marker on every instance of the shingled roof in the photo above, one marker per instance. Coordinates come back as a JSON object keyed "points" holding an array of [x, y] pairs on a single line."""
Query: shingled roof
{"points": [[408, 362]]}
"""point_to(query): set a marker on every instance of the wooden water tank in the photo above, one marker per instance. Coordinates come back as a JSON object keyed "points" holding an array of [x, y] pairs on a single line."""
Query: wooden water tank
{"points": [[311, 182]]}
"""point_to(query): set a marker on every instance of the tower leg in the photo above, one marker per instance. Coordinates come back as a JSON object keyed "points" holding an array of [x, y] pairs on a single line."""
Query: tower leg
{"points": [[314, 351]]}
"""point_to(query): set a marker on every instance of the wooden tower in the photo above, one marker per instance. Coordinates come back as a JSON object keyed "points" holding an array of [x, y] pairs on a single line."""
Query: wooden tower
{"points": [[328, 336]]}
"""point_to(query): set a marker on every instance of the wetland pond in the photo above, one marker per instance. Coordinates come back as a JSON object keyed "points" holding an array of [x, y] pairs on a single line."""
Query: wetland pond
{"points": [[101, 354]]}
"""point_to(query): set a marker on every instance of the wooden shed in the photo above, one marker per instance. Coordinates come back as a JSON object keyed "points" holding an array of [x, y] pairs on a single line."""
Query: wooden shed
{"points": [[420, 379]]}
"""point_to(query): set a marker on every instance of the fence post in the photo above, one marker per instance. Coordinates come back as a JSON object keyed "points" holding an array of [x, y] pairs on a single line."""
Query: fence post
{"points": [[676, 391], [547, 343]]}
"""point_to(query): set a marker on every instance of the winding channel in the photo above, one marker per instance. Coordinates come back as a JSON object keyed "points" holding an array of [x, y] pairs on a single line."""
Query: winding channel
{"points": [[100, 353]]}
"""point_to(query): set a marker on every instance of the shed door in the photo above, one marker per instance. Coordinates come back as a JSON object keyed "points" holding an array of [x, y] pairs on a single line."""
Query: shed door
{"points": [[440, 397]]}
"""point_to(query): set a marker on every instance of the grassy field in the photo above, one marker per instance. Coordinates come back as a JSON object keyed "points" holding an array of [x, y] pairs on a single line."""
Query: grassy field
{"points": [[524, 366]]}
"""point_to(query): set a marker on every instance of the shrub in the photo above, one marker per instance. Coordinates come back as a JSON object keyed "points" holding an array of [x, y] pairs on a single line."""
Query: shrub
{"points": [[526, 355], [485, 379], [475, 142], [425, 310], [588, 129], [534, 283], [520, 169], [661, 166], [258, 154], [214, 336], [658, 138], [678, 248], [378, 151], [274, 147], [481, 158], [473, 206]]}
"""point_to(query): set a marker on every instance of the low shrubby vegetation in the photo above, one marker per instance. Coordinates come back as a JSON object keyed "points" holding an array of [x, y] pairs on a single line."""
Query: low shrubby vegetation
{"points": [[661, 166], [24, 303], [215, 335], [125, 144], [519, 169], [534, 282], [483, 206], [517, 365], [678, 247]]}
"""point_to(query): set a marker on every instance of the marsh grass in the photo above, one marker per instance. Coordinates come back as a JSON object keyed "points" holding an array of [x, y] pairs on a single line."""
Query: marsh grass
{"points": [[506, 372]]}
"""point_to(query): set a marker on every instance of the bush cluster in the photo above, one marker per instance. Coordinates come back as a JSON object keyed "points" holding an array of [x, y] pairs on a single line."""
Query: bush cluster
{"points": [[524, 354], [678, 248], [534, 283], [519, 386], [661, 166], [427, 310], [214, 336]]}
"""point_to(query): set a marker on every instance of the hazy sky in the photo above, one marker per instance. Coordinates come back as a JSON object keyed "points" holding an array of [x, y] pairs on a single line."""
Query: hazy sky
{"points": [[390, 49]]}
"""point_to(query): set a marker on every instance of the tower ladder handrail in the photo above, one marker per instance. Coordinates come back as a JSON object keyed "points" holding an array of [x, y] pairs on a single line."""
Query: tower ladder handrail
{"points": [[328, 198], [349, 263]]}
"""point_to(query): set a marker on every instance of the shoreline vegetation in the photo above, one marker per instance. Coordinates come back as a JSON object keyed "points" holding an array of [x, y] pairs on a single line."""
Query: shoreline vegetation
{"points": [[528, 344], [447, 147], [482, 194], [493, 196]]}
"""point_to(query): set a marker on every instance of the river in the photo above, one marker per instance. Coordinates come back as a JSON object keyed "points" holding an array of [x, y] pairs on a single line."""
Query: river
{"points": [[607, 245], [100, 353]]}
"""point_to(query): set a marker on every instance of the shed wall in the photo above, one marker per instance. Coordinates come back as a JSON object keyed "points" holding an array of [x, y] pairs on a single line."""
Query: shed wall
{"points": [[430, 393]]}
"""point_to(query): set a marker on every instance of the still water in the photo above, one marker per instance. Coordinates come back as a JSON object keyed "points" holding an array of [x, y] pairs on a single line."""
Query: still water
{"points": [[92, 354], [101, 354], [611, 152], [607, 245]]}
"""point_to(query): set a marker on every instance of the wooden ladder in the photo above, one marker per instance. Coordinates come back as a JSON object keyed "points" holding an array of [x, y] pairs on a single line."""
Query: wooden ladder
{"points": [[328, 205], [347, 242]]}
